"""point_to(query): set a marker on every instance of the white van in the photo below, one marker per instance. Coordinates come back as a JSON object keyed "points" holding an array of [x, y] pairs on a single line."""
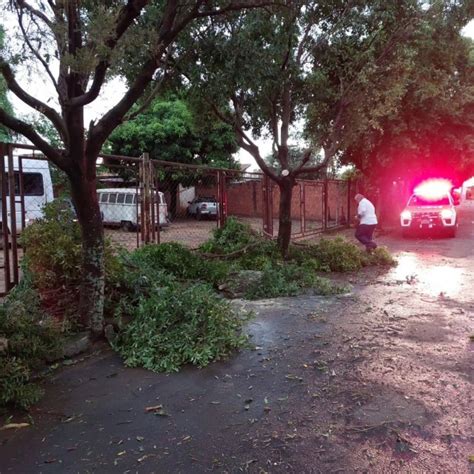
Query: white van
{"points": [[37, 190], [120, 207]]}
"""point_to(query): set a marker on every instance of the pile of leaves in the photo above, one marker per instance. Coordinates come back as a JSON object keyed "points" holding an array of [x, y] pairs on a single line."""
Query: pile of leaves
{"points": [[30, 336], [176, 324], [169, 311], [340, 255]]}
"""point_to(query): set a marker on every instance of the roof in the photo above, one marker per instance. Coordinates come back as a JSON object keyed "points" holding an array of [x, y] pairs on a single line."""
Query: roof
{"points": [[119, 190]]}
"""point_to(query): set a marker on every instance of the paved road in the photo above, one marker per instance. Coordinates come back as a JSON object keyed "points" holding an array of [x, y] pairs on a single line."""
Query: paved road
{"points": [[380, 380]]}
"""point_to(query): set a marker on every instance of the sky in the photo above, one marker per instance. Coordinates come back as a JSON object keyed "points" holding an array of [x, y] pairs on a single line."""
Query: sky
{"points": [[42, 89]]}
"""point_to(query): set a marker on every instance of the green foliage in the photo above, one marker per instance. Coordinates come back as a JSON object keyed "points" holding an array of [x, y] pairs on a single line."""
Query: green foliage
{"points": [[234, 236], [180, 262], [54, 247], [431, 125], [170, 130], [177, 325], [379, 257], [32, 336], [5, 133], [54, 258], [339, 255], [289, 279]]}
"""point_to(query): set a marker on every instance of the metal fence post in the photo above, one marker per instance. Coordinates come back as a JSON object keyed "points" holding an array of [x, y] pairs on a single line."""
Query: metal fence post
{"points": [[6, 244], [302, 207], [145, 191], [221, 198], [325, 204], [156, 204], [267, 198], [13, 226], [349, 202]]}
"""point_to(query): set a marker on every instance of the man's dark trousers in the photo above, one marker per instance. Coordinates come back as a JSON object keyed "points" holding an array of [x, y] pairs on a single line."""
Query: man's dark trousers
{"points": [[364, 233]]}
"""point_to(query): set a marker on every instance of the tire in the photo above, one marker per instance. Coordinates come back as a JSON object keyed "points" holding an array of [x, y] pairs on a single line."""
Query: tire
{"points": [[127, 226], [406, 233], [198, 216]]}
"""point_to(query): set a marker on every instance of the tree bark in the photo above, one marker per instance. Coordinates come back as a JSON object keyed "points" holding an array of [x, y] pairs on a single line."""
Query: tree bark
{"points": [[174, 198], [284, 229], [91, 303]]}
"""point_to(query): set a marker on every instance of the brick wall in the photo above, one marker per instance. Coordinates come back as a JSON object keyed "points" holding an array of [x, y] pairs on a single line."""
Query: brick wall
{"points": [[245, 199]]}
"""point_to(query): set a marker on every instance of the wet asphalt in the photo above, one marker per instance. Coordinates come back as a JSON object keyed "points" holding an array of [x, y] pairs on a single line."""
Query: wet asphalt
{"points": [[378, 380]]}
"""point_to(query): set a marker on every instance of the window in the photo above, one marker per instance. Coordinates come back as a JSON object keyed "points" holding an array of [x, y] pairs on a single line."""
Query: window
{"points": [[135, 199], [104, 197], [120, 198], [113, 198], [32, 184], [129, 198], [420, 201]]}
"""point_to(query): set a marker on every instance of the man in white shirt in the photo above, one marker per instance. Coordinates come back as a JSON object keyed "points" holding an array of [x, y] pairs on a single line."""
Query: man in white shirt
{"points": [[367, 222]]}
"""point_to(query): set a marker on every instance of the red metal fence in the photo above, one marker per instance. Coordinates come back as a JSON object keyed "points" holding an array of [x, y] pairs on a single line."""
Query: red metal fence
{"points": [[148, 201]]}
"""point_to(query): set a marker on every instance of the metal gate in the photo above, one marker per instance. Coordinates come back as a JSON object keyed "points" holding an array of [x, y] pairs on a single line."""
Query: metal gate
{"points": [[317, 206]]}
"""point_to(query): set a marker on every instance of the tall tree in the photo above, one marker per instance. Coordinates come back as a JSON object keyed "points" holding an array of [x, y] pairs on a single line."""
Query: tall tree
{"points": [[78, 44], [325, 67], [431, 131], [5, 133], [170, 130]]}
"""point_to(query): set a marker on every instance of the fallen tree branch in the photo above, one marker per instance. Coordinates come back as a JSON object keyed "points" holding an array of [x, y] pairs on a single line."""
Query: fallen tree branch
{"points": [[231, 254]]}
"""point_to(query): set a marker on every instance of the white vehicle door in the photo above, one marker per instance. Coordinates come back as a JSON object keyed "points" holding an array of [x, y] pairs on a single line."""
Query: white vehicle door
{"points": [[34, 196], [112, 209], [162, 209], [103, 198]]}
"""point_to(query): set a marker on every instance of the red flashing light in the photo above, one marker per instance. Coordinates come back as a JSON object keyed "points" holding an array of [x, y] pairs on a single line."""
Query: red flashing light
{"points": [[433, 189]]}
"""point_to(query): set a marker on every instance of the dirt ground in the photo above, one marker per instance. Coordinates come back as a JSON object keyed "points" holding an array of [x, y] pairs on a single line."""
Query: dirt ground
{"points": [[192, 233], [376, 381]]}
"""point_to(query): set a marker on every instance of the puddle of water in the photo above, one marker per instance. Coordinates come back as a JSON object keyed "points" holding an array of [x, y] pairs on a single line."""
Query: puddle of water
{"points": [[432, 279]]}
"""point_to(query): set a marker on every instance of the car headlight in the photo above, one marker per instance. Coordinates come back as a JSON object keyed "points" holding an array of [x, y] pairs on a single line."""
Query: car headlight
{"points": [[406, 215], [447, 214]]}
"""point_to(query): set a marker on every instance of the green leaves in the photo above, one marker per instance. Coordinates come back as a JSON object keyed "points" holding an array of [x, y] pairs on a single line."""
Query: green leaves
{"points": [[177, 325], [32, 336], [170, 130]]}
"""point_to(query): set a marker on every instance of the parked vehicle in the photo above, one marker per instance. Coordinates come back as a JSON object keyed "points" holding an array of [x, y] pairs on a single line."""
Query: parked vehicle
{"points": [[37, 191], [120, 207], [422, 213], [201, 207]]}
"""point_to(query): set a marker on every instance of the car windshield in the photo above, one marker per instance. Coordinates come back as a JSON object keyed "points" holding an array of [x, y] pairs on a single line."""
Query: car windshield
{"points": [[420, 201], [206, 199]]}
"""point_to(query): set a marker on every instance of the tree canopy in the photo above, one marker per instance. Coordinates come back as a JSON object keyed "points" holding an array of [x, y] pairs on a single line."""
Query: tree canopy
{"points": [[5, 133], [431, 131], [170, 130]]}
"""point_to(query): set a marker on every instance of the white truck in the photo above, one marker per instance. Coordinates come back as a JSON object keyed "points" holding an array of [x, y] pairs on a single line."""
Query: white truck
{"points": [[37, 191]]}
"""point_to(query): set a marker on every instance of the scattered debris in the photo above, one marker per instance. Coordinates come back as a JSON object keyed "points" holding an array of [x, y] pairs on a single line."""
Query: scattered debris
{"points": [[14, 426]]}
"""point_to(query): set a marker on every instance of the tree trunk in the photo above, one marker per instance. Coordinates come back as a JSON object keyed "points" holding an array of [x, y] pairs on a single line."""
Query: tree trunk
{"points": [[174, 198], [91, 303], [284, 228]]}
